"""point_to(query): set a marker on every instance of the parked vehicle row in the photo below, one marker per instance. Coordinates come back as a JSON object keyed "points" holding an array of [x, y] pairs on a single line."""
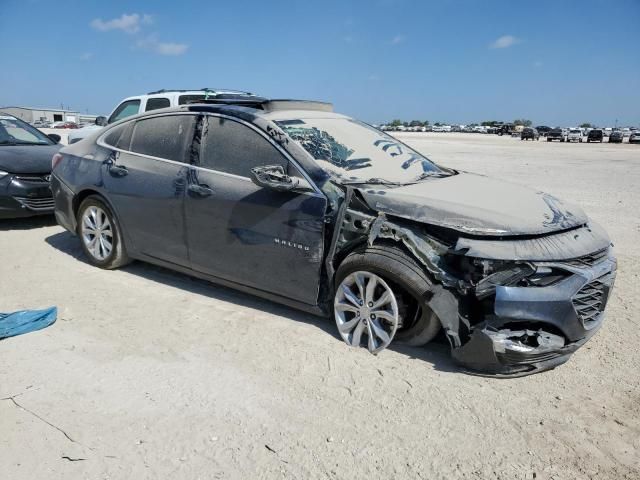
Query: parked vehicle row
{"points": [[574, 134]]}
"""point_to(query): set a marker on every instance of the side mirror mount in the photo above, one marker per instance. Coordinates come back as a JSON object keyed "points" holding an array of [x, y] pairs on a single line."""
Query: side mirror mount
{"points": [[273, 177], [55, 137], [101, 121]]}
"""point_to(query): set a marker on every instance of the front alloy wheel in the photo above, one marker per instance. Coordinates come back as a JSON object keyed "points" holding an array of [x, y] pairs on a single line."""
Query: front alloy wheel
{"points": [[366, 309]]}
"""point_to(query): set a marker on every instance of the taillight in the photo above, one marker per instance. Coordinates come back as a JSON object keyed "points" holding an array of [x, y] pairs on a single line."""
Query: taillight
{"points": [[55, 160]]}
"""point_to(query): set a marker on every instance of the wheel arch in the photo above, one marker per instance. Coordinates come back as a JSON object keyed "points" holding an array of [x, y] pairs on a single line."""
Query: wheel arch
{"points": [[85, 193]]}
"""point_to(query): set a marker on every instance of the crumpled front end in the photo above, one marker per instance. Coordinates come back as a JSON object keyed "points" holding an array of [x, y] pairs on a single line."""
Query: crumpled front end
{"points": [[509, 305], [537, 327]]}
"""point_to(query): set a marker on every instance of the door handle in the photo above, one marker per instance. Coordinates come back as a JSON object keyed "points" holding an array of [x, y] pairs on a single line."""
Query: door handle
{"points": [[118, 170], [200, 190]]}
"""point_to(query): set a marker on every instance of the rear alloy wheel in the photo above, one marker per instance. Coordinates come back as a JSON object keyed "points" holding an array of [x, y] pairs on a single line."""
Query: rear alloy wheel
{"points": [[98, 230], [366, 310]]}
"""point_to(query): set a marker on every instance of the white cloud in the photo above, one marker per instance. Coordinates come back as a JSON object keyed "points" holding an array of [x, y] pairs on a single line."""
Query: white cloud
{"points": [[398, 39], [127, 23], [86, 56], [504, 42], [152, 44]]}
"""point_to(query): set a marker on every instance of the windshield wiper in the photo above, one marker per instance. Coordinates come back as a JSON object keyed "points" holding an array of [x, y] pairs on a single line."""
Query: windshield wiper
{"points": [[19, 142], [425, 175]]}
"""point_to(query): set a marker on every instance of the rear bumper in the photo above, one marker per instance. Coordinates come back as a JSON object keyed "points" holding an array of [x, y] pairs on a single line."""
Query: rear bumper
{"points": [[25, 196], [63, 199], [538, 328]]}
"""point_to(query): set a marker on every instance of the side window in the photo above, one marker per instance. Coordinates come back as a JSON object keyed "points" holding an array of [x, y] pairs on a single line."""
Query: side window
{"points": [[120, 137], [166, 137], [124, 110], [184, 99], [156, 103], [232, 147]]}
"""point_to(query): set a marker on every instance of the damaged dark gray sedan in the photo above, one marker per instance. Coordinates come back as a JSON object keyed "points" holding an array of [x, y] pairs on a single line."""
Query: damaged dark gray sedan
{"points": [[290, 201]]}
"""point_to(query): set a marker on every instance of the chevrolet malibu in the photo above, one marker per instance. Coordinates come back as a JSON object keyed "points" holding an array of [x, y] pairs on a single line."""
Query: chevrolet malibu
{"points": [[295, 203]]}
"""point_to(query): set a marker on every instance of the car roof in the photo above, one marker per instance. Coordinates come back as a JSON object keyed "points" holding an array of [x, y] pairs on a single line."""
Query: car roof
{"points": [[196, 91], [249, 109]]}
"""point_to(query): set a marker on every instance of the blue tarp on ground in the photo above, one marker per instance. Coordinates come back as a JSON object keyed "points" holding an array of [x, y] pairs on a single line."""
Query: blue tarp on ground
{"points": [[25, 321]]}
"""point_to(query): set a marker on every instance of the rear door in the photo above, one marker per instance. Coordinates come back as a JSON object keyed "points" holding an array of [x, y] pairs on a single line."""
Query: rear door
{"points": [[254, 236], [145, 179]]}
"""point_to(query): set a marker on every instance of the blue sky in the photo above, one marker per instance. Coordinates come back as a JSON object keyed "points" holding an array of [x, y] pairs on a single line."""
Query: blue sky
{"points": [[554, 62]]}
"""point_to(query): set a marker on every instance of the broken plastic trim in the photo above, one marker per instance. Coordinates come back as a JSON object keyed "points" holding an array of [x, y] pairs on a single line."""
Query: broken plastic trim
{"points": [[525, 341], [426, 250]]}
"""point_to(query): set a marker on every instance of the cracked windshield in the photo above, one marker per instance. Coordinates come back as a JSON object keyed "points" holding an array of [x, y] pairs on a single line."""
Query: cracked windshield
{"points": [[354, 152]]}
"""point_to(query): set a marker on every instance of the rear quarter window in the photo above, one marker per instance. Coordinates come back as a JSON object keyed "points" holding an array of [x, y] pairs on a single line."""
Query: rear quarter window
{"points": [[184, 99], [157, 103], [120, 136]]}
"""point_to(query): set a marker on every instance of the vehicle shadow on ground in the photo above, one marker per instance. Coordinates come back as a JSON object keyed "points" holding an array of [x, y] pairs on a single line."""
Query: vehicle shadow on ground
{"points": [[27, 223], [436, 354]]}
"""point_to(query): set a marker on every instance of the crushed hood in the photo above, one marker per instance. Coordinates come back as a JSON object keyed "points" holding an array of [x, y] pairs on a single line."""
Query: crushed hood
{"points": [[27, 158], [476, 205]]}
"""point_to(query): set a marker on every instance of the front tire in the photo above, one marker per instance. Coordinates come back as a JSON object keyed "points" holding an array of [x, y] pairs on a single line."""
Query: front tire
{"points": [[406, 315], [100, 234]]}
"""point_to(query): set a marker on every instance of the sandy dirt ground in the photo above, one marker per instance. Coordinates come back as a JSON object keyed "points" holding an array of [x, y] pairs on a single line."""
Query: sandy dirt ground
{"points": [[152, 374]]}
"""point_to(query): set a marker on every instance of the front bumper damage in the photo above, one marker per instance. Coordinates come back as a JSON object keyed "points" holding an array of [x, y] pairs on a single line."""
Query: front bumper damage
{"points": [[518, 330], [538, 328]]}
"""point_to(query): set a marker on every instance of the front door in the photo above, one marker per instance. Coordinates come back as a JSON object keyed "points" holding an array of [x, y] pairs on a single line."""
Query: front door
{"points": [[146, 179], [254, 236]]}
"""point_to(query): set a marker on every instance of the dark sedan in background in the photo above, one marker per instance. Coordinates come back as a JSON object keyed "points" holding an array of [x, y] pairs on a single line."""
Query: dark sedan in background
{"points": [[616, 137], [595, 135], [529, 133], [25, 169]]}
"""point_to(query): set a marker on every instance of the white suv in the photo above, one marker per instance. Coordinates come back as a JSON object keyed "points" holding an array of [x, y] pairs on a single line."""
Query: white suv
{"points": [[151, 101], [575, 135]]}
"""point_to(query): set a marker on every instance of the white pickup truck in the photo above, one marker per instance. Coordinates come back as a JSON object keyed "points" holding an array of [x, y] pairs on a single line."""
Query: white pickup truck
{"points": [[151, 101], [574, 135]]}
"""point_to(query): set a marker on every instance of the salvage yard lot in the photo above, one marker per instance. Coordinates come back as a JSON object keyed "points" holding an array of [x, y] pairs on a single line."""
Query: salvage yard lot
{"points": [[152, 374]]}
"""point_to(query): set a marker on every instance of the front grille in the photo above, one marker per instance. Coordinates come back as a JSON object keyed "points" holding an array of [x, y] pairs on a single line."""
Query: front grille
{"points": [[591, 299], [44, 178], [588, 260], [37, 204]]}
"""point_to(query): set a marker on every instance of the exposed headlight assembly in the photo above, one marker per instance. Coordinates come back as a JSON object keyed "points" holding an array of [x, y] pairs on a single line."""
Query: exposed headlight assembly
{"points": [[518, 275], [508, 276]]}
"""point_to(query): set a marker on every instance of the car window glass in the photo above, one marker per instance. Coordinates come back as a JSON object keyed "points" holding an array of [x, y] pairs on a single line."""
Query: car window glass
{"points": [[13, 130], [124, 110], [156, 103], [232, 147], [184, 99], [120, 137], [113, 136], [167, 137]]}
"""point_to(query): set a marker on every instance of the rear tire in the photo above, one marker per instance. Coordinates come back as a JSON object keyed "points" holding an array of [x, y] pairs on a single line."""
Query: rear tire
{"points": [[410, 286], [100, 234]]}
